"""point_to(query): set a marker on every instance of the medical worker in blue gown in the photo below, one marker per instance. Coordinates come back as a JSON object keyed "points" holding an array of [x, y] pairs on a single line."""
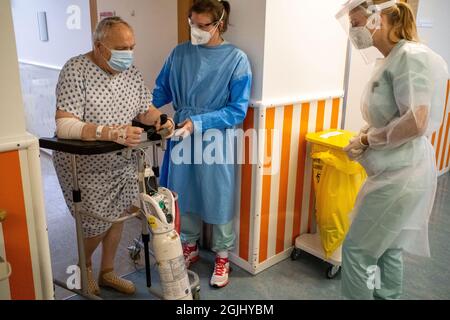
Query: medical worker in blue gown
{"points": [[403, 104], [208, 81]]}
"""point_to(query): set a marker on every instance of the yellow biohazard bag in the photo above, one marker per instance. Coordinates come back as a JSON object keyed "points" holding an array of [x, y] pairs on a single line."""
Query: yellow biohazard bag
{"points": [[337, 181]]}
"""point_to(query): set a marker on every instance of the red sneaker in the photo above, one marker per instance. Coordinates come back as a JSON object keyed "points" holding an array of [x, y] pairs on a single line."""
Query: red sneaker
{"points": [[191, 254], [219, 278]]}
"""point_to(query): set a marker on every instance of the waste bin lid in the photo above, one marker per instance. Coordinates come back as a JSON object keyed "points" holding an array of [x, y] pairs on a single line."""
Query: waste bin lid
{"points": [[336, 139]]}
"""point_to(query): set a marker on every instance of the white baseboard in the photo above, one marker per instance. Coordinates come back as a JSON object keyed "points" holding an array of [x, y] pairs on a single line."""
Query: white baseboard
{"points": [[241, 263], [254, 270], [273, 261]]}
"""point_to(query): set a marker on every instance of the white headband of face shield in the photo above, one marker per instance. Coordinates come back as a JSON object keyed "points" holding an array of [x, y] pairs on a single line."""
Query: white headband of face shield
{"points": [[374, 20], [371, 10]]}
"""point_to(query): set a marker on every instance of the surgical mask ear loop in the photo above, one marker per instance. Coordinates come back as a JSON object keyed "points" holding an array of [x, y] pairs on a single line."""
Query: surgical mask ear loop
{"points": [[374, 22], [220, 20], [375, 13], [104, 59]]}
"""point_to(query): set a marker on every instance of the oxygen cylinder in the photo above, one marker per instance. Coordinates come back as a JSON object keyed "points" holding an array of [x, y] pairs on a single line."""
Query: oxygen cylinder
{"points": [[167, 249], [171, 266]]}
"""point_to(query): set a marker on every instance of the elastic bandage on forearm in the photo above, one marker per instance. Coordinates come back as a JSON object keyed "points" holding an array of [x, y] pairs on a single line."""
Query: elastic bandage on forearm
{"points": [[69, 128]]}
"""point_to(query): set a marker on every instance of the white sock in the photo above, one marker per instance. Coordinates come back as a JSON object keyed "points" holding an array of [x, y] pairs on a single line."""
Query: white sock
{"points": [[223, 254]]}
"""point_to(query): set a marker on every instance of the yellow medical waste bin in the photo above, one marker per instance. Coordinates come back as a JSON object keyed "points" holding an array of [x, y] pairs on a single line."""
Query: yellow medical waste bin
{"points": [[337, 181]]}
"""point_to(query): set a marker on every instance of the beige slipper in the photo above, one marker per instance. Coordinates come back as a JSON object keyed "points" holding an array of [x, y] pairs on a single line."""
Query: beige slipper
{"points": [[93, 287], [112, 280]]}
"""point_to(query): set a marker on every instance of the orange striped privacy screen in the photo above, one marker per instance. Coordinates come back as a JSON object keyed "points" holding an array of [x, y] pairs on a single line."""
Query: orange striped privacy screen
{"points": [[441, 141], [275, 197]]}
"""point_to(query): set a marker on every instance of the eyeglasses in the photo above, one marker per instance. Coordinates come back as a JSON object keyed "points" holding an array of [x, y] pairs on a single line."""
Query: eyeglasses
{"points": [[204, 27]]}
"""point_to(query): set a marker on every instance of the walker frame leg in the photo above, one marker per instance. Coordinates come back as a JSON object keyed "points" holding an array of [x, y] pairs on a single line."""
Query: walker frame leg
{"points": [[76, 198]]}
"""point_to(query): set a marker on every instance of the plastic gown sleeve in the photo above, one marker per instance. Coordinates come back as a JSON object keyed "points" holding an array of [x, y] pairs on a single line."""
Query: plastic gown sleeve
{"points": [[162, 93], [413, 90], [236, 109]]}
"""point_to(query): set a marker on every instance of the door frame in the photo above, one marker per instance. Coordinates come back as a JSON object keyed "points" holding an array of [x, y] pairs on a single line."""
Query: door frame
{"points": [[183, 26], [94, 14]]}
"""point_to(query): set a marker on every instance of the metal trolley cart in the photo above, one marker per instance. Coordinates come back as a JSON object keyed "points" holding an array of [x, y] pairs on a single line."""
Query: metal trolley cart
{"points": [[311, 244], [75, 148]]}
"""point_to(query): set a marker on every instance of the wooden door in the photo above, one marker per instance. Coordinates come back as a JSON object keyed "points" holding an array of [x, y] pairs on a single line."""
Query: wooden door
{"points": [[183, 27]]}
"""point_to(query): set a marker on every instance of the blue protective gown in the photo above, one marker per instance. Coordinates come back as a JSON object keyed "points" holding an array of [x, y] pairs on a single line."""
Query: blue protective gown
{"points": [[210, 86]]}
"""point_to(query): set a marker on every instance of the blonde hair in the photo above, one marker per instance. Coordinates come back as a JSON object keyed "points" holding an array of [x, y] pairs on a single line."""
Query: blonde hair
{"points": [[402, 20]]}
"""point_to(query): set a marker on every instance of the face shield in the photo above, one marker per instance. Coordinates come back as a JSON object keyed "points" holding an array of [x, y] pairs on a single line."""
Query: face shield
{"points": [[361, 19]]}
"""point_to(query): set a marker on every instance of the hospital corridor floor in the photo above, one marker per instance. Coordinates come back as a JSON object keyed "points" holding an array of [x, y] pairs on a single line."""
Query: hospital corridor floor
{"points": [[303, 279]]}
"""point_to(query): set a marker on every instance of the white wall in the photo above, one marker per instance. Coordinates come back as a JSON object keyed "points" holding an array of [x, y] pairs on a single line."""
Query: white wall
{"points": [[247, 31], [289, 47], [63, 43], [12, 118], [155, 23], [437, 36], [156, 30], [305, 49]]}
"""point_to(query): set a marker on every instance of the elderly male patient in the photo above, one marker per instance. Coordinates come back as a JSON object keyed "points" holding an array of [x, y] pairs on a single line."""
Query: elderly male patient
{"points": [[98, 96]]}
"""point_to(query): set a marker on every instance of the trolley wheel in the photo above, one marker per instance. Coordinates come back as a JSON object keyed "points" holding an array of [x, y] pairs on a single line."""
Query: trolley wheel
{"points": [[295, 254], [333, 272], [196, 293]]}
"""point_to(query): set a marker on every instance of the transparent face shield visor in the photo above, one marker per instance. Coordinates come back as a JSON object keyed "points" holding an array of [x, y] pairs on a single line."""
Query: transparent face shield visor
{"points": [[361, 19]]}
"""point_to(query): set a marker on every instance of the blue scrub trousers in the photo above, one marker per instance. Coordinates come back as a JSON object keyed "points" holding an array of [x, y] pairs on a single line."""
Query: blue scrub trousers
{"points": [[223, 237]]}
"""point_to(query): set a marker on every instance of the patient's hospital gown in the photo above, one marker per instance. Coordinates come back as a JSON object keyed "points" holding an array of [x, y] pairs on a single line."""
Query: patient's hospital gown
{"points": [[108, 182]]}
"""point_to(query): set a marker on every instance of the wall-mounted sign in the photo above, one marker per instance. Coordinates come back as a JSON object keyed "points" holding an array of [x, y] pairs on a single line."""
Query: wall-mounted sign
{"points": [[106, 14]]}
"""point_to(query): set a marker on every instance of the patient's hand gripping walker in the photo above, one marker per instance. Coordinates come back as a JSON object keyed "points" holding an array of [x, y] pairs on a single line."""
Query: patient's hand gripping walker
{"points": [[157, 210]]}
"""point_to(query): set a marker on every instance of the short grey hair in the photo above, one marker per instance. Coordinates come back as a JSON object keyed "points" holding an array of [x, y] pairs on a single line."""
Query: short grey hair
{"points": [[104, 26]]}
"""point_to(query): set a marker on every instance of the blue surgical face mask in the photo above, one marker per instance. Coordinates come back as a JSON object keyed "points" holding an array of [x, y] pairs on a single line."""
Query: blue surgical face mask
{"points": [[120, 60]]}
